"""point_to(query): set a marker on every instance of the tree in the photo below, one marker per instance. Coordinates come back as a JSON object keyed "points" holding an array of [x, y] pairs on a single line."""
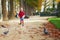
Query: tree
{"points": [[39, 5], [30, 6], [45, 5], [4, 10], [36, 4], [12, 10], [58, 9], [53, 3], [28, 9]]}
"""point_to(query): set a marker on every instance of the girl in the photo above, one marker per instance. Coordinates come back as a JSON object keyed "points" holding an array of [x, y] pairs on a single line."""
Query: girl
{"points": [[21, 16]]}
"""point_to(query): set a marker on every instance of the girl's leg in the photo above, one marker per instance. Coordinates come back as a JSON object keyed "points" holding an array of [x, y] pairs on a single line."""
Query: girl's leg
{"points": [[22, 23]]}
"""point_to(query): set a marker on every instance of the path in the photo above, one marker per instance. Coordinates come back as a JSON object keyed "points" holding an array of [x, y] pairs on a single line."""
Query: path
{"points": [[33, 30]]}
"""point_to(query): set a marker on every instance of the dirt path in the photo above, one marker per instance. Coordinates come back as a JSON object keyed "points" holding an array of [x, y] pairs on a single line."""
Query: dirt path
{"points": [[31, 31]]}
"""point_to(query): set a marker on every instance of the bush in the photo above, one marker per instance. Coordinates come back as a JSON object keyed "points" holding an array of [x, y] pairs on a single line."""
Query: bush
{"points": [[57, 13], [47, 14], [36, 13], [26, 16]]}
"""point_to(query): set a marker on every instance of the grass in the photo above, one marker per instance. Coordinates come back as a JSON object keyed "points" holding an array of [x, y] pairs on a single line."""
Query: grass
{"points": [[55, 21]]}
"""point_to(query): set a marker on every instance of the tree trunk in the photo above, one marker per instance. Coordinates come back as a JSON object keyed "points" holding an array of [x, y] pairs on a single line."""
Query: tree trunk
{"points": [[4, 10], [44, 5], [28, 9], [22, 3], [39, 5], [12, 10], [54, 4]]}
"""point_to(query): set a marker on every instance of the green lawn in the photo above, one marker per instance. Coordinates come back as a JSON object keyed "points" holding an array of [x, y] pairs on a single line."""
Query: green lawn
{"points": [[55, 21]]}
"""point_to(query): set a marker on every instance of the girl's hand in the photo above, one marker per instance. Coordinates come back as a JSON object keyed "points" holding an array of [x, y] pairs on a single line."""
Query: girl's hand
{"points": [[23, 16]]}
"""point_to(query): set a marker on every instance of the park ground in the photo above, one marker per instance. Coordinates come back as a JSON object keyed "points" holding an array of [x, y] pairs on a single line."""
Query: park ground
{"points": [[32, 30]]}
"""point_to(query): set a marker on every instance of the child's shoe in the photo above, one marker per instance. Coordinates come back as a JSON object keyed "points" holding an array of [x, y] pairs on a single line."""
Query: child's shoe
{"points": [[22, 25], [19, 23]]}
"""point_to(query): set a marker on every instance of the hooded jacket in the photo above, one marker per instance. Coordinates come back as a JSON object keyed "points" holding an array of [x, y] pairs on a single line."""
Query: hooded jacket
{"points": [[21, 14]]}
